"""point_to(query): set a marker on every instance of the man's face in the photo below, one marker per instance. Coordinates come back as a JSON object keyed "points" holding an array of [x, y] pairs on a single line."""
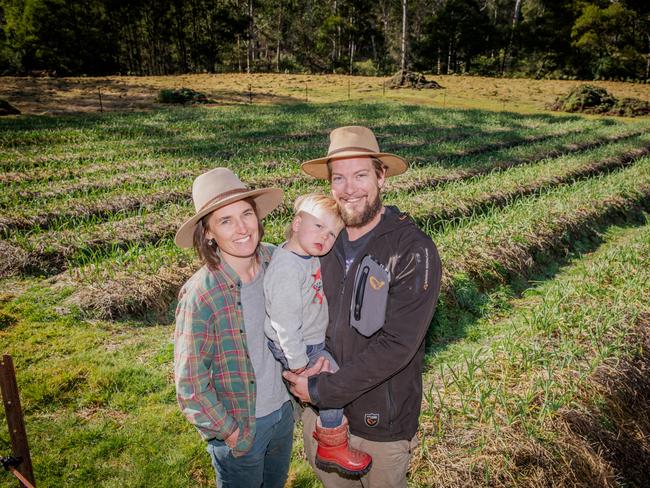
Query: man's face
{"points": [[355, 187]]}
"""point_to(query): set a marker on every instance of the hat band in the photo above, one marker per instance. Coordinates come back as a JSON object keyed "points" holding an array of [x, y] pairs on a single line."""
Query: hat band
{"points": [[350, 148], [221, 196]]}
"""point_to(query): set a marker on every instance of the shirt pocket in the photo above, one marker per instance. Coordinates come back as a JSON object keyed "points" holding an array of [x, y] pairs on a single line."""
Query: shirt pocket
{"points": [[370, 295]]}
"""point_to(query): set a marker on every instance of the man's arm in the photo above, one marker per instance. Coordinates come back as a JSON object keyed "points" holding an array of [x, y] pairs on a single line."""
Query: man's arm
{"points": [[412, 300]]}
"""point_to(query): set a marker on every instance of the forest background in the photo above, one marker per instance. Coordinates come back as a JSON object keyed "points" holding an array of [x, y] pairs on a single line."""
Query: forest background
{"points": [[571, 39]]}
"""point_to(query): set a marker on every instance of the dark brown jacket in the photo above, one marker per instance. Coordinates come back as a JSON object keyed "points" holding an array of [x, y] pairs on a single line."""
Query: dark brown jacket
{"points": [[380, 377]]}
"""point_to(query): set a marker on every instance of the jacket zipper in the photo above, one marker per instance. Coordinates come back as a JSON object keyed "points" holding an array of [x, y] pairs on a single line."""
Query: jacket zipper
{"points": [[391, 406]]}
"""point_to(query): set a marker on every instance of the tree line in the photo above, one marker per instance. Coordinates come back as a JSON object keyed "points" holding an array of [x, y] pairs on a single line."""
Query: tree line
{"points": [[586, 39]]}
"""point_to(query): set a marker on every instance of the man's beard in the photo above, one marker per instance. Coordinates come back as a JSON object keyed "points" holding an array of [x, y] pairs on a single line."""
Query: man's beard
{"points": [[364, 217]]}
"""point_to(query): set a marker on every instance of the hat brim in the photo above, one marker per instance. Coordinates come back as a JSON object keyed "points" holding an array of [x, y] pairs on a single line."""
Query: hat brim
{"points": [[318, 167], [266, 200]]}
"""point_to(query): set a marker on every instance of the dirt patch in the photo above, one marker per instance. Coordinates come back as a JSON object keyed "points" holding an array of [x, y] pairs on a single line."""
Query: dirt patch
{"points": [[411, 79]]}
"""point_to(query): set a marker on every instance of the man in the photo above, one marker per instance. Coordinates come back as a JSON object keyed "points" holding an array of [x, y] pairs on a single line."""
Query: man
{"points": [[382, 281]]}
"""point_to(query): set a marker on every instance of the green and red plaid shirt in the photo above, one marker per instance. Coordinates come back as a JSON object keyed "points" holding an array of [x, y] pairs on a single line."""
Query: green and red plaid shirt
{"points": [[215, 381]]}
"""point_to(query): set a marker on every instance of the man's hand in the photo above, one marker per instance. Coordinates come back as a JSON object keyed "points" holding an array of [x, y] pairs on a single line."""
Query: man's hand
{"points": [[231, 441], [298, 382]]}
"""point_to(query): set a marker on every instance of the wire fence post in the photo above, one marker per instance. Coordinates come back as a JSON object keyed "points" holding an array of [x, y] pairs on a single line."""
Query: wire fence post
{"points": [[250, 93], [349, 89], [15, 422], [384, 88], [306, 94], [101, 106]]}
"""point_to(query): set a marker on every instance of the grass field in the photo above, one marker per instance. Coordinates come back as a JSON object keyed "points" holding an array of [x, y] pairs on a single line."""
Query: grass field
{"points": [[538, 364]]}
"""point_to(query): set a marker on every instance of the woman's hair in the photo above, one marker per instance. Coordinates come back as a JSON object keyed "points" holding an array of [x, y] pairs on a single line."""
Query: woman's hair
{"points": [[313, 203], [207, 248]]}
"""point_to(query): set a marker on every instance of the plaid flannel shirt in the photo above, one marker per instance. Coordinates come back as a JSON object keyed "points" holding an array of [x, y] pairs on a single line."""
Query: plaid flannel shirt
{"points": [[215, 381]]}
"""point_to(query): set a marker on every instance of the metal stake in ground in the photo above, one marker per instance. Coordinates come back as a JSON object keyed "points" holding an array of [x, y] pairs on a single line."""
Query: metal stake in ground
{"points": [[14, 414]]}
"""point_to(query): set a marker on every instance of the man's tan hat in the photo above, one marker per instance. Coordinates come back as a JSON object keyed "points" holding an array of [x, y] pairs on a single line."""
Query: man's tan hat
{"points": [[350, 142], [220, 187]]}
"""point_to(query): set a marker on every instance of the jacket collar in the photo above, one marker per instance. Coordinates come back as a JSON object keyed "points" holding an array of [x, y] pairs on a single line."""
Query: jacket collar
{"points": [[391, 219]]}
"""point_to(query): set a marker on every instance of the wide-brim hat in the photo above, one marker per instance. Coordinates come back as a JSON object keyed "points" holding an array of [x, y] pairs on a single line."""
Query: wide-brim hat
{"points": [[218, 188], [351, 142]]}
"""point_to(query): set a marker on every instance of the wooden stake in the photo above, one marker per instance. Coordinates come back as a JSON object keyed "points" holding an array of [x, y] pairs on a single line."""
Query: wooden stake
{"points": [[14, 414]]}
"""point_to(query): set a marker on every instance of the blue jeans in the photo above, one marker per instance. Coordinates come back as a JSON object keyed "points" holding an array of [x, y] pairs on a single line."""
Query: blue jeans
{"points": [[329, 417], [267, 463]]}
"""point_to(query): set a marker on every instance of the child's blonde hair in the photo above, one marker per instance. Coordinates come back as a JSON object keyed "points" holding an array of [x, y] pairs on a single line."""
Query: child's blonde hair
{"points": [[314, 204]]}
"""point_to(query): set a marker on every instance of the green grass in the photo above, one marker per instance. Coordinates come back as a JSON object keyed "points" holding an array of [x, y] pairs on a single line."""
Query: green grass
{"points": [[518, 372], [517, 199]]}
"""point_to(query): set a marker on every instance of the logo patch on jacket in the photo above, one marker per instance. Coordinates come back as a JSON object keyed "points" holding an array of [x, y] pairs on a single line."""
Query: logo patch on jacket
{"points": [[375, 283], [371, 419]]}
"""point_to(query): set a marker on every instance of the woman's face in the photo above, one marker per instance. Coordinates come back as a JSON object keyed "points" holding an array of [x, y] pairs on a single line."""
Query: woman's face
{"points": [[235, 228]]}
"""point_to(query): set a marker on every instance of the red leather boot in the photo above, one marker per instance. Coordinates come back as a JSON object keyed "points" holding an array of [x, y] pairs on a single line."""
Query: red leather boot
{"points": [[334, 453]]}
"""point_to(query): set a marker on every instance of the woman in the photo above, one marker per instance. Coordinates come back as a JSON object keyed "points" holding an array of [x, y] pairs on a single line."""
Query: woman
{"points": [[228, 384]]}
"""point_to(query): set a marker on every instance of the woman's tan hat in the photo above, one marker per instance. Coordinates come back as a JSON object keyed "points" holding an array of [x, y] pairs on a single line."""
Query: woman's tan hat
{"points": [[350, 142], [220, 187]]}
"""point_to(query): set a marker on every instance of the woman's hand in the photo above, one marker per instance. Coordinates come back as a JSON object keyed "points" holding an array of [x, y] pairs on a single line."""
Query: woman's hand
{"points": [[231, 441]]}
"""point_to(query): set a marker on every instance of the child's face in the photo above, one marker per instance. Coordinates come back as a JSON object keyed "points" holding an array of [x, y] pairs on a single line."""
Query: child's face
{"points": [[313, 235]]}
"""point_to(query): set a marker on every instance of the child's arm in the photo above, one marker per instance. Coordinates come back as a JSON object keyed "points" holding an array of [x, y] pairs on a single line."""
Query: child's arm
{"points": [[282, 289]]}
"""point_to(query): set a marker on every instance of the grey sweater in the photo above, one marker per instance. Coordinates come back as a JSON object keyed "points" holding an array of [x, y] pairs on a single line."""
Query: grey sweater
{"points": [[296, 308]]}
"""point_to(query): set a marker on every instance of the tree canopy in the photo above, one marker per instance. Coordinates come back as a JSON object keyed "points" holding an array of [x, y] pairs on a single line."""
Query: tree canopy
{"points": [[588, 39]]}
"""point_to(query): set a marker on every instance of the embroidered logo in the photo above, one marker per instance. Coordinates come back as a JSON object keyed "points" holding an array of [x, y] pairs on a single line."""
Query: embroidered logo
{"points": [[371, 419], [375, 283]]}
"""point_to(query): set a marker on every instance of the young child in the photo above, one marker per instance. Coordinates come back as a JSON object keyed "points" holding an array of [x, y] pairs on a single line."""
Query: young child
{"points": [[296, 318]]}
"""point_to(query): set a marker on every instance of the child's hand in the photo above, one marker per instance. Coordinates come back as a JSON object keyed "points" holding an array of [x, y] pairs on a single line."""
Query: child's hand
{"points": [[299, 370]]}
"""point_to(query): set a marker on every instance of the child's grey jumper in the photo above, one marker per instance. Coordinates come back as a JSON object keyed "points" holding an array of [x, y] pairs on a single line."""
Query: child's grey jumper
{"points": [[296, 308]]}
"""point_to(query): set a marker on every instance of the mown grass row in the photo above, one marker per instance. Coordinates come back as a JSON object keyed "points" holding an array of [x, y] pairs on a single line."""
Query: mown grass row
{"points": [[49, 252], [478, 251], [422, 150], [556, 393], [229, 127], [100, 204], [80, 165]]}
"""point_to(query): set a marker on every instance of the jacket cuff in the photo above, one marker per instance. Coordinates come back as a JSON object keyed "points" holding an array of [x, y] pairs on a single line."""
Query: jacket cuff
{"points": [[312, 387]]}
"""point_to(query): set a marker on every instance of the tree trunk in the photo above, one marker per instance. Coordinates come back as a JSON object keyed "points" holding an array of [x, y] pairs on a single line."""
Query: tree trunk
{"points": [[249, 56], [506, 54], [277, 47], [439, 61], [404, 12], [449, 48], [647, 65]]}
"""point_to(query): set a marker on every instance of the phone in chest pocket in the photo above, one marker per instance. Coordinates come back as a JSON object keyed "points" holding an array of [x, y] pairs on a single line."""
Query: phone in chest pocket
{"points": [[370, 295]]}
